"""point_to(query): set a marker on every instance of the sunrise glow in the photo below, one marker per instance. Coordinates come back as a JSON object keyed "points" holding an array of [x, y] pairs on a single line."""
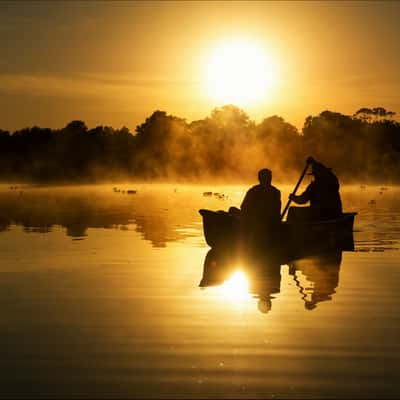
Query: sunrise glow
{"points": [[239, 72]]}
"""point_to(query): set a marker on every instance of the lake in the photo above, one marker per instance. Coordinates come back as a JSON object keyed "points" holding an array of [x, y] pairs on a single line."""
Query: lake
{"points": [[100, 298]]}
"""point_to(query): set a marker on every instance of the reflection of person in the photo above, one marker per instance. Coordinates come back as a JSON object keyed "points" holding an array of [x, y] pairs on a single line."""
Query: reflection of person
{"points": [[261, 207], [264, 305], [264, 282], [263, 274], [323, 273], [322, 193]]}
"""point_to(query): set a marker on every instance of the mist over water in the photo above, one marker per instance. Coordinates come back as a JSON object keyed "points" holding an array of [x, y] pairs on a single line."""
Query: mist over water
{"points": [[167, 211], [226, 146], [100, 294]]}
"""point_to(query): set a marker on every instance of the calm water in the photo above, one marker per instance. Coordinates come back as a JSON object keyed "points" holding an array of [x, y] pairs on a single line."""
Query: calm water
{"points": [[100, 298]]}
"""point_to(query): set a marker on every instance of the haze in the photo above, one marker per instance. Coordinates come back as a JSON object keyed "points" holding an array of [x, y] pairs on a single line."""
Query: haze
{"points": [[115, 63]]}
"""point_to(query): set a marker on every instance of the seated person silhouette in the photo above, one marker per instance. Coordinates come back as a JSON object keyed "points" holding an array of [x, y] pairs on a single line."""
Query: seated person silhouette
{"points": [[322, 193], [264, 277], [323, 272], [260, 209]]}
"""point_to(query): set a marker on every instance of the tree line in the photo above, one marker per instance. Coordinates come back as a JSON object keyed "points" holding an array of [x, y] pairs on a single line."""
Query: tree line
{"points": [[226, 144]]}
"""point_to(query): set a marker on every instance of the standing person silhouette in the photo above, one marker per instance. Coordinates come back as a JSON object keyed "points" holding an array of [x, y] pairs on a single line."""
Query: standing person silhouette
{"points": [[322, 193]]}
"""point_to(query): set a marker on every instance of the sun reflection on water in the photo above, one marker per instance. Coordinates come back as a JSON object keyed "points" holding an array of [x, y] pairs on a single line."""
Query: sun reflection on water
{"points": [[236, 288]]}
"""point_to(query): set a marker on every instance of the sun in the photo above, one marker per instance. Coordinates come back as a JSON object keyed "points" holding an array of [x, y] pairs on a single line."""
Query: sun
{"points": [[236, 288], [239, 72]]}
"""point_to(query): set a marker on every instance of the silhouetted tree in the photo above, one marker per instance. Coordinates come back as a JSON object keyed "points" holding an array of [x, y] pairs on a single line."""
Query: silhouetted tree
{"points": [[162, 141], [277, 137], [357, 146], [227, 143], [223, 140], [373, 114]]}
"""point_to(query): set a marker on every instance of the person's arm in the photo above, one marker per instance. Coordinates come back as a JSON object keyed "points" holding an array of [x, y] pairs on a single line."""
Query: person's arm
{"points": [[245, 202], [277, 207], [279, 203], [302, 198]]}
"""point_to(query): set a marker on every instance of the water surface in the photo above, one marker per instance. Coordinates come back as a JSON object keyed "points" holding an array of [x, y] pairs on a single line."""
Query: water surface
{"points": [[100, 298]]}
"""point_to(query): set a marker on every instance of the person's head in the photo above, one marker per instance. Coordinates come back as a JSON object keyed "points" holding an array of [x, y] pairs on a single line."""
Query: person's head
{"points": [[264, 305], [265, 176], [318, 169], [310, 305]]}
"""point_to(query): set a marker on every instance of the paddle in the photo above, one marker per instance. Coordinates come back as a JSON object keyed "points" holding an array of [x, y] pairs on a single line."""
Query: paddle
{"points": [[295, 189]]}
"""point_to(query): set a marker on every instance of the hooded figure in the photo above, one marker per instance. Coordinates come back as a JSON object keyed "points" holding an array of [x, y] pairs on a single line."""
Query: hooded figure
{"points": [[322, 193]]}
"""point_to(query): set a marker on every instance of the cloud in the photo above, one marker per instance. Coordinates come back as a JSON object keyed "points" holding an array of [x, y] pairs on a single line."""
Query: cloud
{"points": [[37, 85], [122, 80], [81, 85]]}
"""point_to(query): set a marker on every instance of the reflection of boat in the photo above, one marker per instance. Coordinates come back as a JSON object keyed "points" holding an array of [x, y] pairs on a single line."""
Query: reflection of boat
{"points": [[262, 274], [316, 277], [223, 229]]}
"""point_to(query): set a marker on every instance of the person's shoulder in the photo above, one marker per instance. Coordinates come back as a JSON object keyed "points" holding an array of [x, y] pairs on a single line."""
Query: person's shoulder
{"points": [[275, 190], [254, 188]]}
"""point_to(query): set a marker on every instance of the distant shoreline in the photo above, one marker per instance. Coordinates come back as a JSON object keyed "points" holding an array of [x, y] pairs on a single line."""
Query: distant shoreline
{"points": [[227, 147]]}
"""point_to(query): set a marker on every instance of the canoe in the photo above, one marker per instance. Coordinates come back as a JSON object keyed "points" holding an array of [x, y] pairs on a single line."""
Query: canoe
{"points": [[222, 229]]}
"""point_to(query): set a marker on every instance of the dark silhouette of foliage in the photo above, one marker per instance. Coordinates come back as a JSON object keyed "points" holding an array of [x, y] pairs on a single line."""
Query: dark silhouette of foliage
{"points": [[223, 141], [357, 147], [226, 144], [374, 114], [163, 143], [276, 136]]}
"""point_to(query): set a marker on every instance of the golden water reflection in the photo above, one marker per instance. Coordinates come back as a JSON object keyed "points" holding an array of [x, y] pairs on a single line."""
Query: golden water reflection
{"points": [[119, 314], [159, 214], [236, 287], [315, 277]]}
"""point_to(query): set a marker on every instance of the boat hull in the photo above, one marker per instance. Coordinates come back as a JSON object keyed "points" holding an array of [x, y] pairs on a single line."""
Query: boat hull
{"points": [[222, 229]]}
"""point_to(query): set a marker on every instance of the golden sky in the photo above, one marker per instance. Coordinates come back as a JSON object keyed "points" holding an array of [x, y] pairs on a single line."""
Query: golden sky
{"points": [[114, 63]]}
